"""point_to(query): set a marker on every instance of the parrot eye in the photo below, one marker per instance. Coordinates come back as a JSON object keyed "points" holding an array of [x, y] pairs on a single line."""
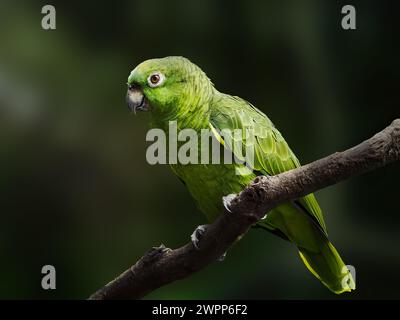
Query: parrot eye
{"points": [[155, 79]]}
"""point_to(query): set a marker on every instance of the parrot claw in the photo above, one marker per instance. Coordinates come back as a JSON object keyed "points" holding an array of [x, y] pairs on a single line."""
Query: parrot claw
{"points": [[222, 257], [227, 200], [197, 234], [160, 249]]}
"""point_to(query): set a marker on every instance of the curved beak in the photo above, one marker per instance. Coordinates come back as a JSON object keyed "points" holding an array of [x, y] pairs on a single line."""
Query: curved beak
{"points": [[136, 99]]}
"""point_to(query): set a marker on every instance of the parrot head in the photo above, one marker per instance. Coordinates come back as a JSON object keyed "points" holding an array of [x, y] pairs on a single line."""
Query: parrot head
{"points": [[167, 86]]}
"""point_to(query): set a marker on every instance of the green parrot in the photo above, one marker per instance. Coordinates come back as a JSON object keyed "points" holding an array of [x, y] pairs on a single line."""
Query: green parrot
{"points": [[175, 89]]}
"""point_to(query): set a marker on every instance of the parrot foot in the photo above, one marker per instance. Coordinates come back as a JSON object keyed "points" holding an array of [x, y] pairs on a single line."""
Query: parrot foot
{"points": [[227, 200], [159, 250], [197, 235], [156, 252]]}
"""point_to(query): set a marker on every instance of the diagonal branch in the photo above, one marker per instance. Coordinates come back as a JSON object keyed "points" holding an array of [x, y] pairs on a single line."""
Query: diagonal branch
{"points": [[161, 266]]}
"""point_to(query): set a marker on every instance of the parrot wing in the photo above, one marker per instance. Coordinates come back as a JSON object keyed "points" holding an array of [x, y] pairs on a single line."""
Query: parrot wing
{"points": [[272, 154]]}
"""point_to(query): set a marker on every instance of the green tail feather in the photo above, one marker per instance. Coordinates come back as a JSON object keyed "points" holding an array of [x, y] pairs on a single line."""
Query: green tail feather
{"points": [[317, 253], [329, 268]]}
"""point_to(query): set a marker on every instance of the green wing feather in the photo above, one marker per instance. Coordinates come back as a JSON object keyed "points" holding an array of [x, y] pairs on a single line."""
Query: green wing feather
{"points": [[272, 154]]}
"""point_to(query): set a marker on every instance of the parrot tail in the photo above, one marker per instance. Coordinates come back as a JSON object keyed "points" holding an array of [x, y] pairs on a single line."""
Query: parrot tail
{"points": [[328, 267], [317, 253]]}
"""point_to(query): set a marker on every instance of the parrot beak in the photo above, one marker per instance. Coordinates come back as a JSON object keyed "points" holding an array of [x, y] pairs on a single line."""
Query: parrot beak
{"points": [[136, 99]]}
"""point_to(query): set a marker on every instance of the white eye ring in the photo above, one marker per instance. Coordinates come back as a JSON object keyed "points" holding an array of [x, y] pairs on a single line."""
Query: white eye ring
{"points": [[155, 79]]}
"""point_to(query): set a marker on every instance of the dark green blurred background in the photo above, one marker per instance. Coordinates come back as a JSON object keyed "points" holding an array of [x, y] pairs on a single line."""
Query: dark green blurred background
{"points": [[77, 192]]}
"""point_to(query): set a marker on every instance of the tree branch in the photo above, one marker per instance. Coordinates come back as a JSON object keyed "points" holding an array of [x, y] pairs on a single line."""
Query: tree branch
{"points": [[161, 266]]}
